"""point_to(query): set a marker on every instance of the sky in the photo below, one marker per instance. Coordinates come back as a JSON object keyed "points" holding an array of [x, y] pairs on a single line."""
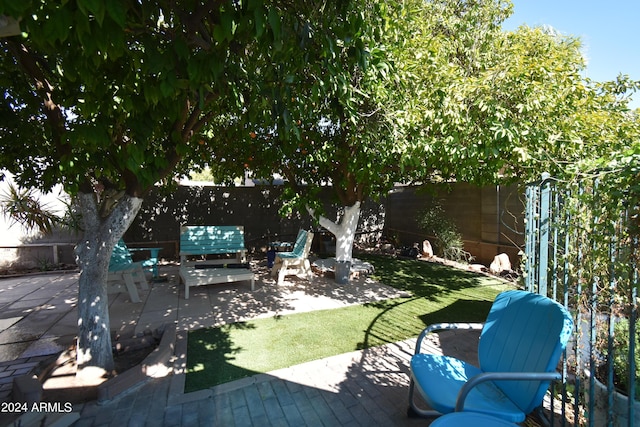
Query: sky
{"points": [[609, 31]]}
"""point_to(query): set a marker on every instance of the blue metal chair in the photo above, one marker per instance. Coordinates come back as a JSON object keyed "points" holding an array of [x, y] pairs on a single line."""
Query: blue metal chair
{"points": [[466, 419], [520, 346]]}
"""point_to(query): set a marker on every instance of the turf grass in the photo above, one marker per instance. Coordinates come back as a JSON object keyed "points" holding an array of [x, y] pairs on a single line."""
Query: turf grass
{"points": [[438, 293]]}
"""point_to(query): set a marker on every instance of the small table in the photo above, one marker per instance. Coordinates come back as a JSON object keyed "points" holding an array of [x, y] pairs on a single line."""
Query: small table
{"points": [[277, 247], [281, 246], [153, 259]]}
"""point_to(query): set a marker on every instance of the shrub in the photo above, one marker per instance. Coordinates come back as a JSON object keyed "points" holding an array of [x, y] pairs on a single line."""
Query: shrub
{"points": [[621, 357], [448, 241]]}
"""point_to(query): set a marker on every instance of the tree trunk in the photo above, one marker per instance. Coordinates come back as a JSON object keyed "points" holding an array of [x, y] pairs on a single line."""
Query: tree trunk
{"points": [[101, 233], [345, 231]]}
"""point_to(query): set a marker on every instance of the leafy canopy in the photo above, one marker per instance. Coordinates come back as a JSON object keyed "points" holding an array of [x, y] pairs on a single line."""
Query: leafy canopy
{"points": [[116, 94], [414, 91]]}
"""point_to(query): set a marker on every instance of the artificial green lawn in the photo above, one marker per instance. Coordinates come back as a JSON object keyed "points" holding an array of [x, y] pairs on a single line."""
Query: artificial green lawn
{"points": [[438, 294]]}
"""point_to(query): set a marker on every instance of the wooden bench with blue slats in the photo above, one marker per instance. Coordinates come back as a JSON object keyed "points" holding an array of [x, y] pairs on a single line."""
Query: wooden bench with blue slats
{"points": [[199, 241]]}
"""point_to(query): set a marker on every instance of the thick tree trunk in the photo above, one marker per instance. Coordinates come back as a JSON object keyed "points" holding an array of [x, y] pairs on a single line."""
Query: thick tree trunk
{"points": [[345, 231], [94, 352]]}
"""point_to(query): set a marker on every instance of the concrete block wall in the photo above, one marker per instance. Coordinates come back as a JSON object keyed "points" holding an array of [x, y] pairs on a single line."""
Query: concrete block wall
{"points": [[485, 216], [490, 219], [255, 208]]}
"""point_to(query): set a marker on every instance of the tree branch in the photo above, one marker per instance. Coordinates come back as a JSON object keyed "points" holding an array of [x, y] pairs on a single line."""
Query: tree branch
{"points": [[32, 66]]}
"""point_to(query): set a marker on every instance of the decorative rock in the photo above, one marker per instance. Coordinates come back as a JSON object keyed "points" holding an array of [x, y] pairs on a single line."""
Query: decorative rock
{"points": [[427, 250], [478, 268], [500, 263]]}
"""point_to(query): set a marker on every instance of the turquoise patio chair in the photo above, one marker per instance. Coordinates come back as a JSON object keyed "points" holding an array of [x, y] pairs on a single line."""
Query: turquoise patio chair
{"points": [[122, 254], [520, 346], [296, 261], [124, 271]]}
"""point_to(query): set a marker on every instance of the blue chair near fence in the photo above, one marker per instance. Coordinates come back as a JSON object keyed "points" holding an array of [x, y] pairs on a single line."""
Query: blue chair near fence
{"points": [[520, 346]]}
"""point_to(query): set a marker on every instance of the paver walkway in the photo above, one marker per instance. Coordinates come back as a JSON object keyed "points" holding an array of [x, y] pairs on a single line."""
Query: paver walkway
{"points": [[362, 388], [38, 319]]}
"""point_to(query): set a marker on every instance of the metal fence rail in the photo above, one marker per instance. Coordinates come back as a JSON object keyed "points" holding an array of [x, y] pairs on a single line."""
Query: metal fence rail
{"points": [[586, 258]]}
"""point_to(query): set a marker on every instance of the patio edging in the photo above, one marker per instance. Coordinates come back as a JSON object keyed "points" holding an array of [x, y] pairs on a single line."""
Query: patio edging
{"points": [[155, 365]]}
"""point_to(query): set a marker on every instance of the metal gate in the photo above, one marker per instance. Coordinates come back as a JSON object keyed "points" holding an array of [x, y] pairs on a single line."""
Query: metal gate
{"points": [[585, 257]]}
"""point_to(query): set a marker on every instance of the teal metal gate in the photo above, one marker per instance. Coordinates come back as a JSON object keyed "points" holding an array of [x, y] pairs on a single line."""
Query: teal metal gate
{"points": [[586, 259]]}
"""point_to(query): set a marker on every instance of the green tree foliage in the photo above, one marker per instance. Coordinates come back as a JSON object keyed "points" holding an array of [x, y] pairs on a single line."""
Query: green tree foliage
{"points": [[316, 112], [491, 105], [116, 93], [416, 91]]}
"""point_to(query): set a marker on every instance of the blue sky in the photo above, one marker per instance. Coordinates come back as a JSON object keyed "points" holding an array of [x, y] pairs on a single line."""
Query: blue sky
{"points": [[609, 31]]}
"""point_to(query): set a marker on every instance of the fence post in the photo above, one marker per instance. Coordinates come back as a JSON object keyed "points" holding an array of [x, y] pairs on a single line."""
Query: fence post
{"points": [[529, 233], [545, 229]]}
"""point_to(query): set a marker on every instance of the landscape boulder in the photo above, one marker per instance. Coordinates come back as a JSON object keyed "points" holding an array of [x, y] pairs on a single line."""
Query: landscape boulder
{"points": [[500, 263], [427, 249]]}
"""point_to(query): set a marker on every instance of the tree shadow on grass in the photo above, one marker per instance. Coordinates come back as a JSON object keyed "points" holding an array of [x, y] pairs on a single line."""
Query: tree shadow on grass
{"points": [[406, 318], [437, 294], [425, 279], [210, 355], [459, 311]]}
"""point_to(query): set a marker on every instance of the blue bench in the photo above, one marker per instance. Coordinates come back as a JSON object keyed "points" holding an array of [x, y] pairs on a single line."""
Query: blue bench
{"points": [[197, 242]]}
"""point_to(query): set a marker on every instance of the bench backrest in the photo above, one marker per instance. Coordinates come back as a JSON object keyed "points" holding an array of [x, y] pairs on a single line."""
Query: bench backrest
{"points": [[211, 239]]}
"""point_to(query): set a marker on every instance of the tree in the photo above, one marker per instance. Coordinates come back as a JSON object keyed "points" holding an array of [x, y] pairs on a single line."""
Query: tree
{"points": [[110, 99], [323, 109], [418, 91], [426, 91], [524, 106]]}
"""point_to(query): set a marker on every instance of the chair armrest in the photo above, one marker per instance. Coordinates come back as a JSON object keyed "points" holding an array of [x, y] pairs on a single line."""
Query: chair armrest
{"points": [[444, 326], [502, 376]]}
